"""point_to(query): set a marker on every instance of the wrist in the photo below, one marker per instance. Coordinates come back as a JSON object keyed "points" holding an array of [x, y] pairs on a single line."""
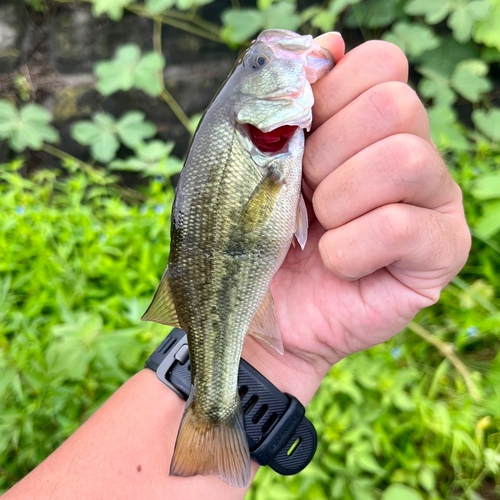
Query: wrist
{"points": [[291, 373]]}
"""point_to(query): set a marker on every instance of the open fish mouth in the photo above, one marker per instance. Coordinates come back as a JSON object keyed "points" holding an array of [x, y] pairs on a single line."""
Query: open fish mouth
{"points": [[275, 141]]}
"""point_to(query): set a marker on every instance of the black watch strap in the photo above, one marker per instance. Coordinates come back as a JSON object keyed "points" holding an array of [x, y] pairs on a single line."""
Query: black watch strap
{"points": [[279, 434]]}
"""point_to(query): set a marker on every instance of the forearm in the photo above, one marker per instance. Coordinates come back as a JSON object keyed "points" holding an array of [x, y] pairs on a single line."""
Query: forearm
{"points": [[124, 450]]}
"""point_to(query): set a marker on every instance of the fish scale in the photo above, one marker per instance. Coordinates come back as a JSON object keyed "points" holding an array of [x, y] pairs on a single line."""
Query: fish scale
{"points": [[235, 212]]}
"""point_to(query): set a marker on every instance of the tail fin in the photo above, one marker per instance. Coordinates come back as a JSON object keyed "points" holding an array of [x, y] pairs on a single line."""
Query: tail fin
{"points": [[205, 448]]}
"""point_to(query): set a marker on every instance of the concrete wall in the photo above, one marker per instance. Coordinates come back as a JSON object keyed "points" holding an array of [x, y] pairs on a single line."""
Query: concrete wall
{"points": [[55, 52]]}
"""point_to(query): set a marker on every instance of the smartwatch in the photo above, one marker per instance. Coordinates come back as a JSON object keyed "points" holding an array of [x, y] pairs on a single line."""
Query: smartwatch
{"points": [[278, 432]]}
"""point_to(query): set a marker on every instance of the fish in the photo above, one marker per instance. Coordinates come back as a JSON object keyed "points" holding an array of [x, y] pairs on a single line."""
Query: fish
{"points": [[237, 207]]}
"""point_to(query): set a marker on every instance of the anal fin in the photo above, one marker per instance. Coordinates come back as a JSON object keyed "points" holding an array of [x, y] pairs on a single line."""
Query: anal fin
{"points": [[302, 223], [264, 325], [162, 309]]}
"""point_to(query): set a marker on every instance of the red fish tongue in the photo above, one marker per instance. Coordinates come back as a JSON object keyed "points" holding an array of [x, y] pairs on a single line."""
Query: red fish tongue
{"points": [[271, 142]]}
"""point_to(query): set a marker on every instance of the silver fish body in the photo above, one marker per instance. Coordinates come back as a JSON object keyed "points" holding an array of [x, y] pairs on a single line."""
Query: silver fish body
{"points": [[236, 209]]}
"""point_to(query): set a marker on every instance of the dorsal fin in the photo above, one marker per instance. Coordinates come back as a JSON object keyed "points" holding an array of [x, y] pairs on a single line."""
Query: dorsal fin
{"points": [[162, 309], [264, 325]]}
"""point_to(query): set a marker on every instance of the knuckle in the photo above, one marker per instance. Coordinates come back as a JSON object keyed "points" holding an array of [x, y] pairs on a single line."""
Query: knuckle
{"points": [[409, 155], [455, 240], [396, 104], [395, 224], [333, 258]]}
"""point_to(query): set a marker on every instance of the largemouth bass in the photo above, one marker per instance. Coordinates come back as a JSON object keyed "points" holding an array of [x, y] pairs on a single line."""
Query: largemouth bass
{"points": [[237, 207]]}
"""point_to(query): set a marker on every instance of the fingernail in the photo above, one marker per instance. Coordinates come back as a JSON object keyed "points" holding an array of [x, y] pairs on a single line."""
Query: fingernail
{"points": [[329, 33]]}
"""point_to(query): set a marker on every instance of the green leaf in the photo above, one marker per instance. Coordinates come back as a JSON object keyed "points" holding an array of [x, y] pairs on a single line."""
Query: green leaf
{"points": [[68, 358], [462, 19], [147, 74], [427, 479], [132, 129], [155, 7], [469, 79], [113, 8], [487, 30], [324, 20], [413, 39], [446, 132], [374, 14], [402, 401], [368, 463], [490, 54], [129, 69], [9, 118], [189, 4], [155, 150], [488, 122], [31, 128], [85, 132], [433, 10], [102, 133], [281, 15], [489, 223], [492, 460], [437, 90], [264, 4], [400, 492], [486, 187], [441, 62], [151, 159], [118, 73], [240, 25], [338, 6], [99, 135]]}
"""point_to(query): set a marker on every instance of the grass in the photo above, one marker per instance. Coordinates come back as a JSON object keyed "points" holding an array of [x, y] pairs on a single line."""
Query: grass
{"points": [[79, 265]]}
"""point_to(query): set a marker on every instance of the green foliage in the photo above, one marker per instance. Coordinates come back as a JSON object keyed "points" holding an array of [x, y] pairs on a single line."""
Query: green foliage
{"points": [[26, 128], [240, 25], [413, 39], [488, 122], [103, 134], [130, 69], [152, 159], [79, 266], [82, 257], [113, 8], [488, 188], [38, 5]]}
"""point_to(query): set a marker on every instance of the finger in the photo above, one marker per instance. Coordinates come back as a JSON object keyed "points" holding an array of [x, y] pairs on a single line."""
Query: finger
{"points": [[400, 168], [334, 43], [384, 110], [360, 69], [413, 243]]}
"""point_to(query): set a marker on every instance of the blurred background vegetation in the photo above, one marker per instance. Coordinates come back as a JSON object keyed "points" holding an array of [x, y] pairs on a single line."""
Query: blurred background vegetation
{"points": [[98, 99]]}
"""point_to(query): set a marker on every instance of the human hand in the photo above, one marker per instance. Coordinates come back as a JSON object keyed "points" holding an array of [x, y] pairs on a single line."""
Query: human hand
{"points": [[387, 230]]}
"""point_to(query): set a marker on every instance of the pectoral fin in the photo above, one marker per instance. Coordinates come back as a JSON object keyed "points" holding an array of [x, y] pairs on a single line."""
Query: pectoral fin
{"points": [[162, 309], [261, 204], [302, 223], [265, 325]]}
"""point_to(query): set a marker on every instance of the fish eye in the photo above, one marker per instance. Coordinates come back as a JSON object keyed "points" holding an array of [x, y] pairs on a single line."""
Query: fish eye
{"points": [[256, 61]]}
